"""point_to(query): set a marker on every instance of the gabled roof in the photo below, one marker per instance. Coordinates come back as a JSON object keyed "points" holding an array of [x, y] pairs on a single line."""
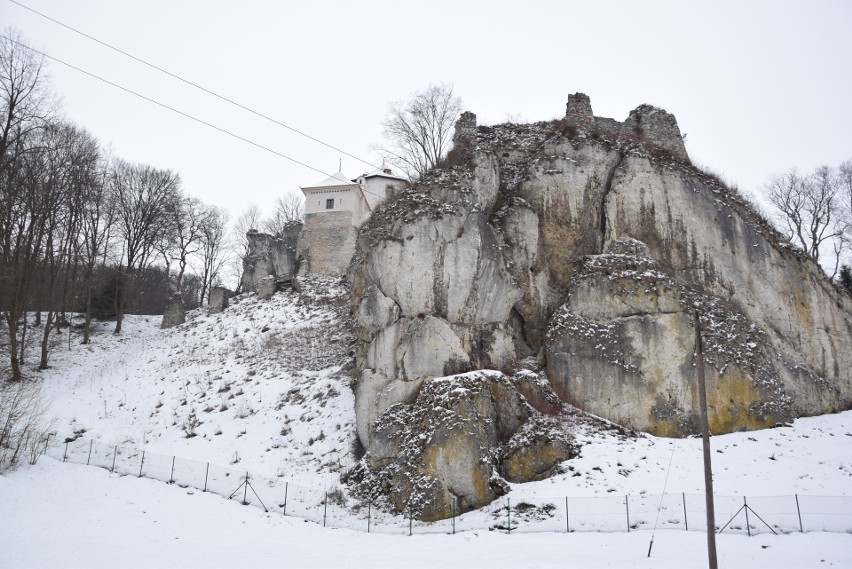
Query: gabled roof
{"points": [[338, 179], [384, 173]]}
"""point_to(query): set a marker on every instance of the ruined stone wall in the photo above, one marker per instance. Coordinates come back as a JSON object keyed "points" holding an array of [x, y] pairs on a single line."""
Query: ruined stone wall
{"points": [[218, 300], [328, 242], [652, 124], [174, 314], [270, 255]]}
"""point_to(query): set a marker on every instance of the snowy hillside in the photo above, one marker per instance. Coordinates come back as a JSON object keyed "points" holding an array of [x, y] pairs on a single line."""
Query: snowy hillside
{"points": [[263, 387]]}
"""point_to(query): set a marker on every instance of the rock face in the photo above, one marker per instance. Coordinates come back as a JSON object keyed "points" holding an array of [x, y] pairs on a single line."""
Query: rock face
{"points": [[174, 313], [270, 255], [583, 246], [218, 300], [441, 452]]}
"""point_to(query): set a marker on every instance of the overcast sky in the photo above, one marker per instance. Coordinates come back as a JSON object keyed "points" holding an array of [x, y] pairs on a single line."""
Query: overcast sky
{"points": [[759, 87]]}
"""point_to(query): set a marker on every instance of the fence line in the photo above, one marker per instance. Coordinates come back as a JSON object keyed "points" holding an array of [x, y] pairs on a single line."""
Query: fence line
{"points": [[734, 514]]}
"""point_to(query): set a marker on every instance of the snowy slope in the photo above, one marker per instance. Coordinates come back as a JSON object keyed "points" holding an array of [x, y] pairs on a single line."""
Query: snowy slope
{"points": [[258, 386]]}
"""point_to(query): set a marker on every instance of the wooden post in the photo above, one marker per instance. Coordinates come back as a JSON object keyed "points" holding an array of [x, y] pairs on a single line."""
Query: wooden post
{"points": [[705, 438]]}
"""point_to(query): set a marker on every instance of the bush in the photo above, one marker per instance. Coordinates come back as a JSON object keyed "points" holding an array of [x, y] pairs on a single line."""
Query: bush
{"points": [[23, 428]]}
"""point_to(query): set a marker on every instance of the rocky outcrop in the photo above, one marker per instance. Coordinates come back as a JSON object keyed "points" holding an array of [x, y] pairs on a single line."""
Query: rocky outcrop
{"points": [[583, 247], [442, 452], [623, 347], [270, 255], [174, 313], [218, 300]]}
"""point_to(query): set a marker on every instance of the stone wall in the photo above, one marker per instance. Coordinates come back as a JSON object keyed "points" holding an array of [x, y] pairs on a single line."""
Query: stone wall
{"points": [[652, 124], [174, 314], [465, 132], [328, 242], [218, 300], [270, 255]]}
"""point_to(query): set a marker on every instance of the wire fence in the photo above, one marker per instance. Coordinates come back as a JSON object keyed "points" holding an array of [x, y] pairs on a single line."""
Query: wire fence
{"points": [[625, 513]]}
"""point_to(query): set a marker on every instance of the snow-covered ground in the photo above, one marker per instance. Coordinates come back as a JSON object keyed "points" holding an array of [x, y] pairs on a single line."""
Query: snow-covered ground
{"points": [[67, 515], [260, 388]]}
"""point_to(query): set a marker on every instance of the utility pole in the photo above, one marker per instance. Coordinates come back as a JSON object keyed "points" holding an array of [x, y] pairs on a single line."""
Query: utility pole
{"points": [[705, 437]]}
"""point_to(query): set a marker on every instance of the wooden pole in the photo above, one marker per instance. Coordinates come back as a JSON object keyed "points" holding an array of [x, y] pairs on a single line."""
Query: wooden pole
{"points": [[705, 438]]}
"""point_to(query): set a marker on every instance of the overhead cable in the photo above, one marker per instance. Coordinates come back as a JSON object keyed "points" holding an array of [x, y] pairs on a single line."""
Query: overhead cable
{"points": [[192, 84]]}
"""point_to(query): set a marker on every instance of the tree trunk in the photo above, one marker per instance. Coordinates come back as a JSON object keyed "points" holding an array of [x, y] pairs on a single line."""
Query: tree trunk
{"points": [[45, 339], [88, 322], [13, 347], [119, 301]]}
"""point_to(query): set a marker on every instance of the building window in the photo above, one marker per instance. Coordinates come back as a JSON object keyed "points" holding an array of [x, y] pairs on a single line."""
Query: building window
{"points": [[329, 203]]}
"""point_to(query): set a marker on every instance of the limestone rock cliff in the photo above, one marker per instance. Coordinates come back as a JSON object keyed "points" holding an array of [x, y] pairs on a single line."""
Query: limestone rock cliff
{"points": [[270, 257], [583, 247]]}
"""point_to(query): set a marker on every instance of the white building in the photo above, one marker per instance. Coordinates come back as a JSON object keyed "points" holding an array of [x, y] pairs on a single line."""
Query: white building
{"points": [[334, 210], [359, 196]]}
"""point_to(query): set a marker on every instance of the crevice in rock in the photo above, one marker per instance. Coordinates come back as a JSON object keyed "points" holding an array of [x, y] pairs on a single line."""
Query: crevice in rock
{"points": [[610, 176], [523, 347]]}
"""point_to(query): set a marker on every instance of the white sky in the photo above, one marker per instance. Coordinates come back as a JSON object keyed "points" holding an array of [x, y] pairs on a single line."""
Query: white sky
{"points": [[758, 86]]}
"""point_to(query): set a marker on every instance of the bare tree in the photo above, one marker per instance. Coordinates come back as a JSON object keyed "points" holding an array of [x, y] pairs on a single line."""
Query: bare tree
{"points": [[419, 131], [71, 162], [289, 208], [213, 254], [810, 209], [93, 240], [25, 108], [142, 195], [247, 221], [183, 231]]}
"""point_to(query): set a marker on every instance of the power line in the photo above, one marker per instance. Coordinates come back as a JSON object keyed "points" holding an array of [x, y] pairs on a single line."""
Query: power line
{"points": [[165, 106], [188, 82], [174, 110]]}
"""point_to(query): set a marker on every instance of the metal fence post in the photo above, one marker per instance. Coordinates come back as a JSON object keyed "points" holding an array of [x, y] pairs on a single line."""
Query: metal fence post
{"points": [[799, 511], [65, 455], [508, 516], [90, 452], [325, 509], [685, 519], [453, 509], [286, 488], [627, 507], [745, 507], [114, 452], [172, 473], [369, 506], [206, 474], [141, 464], [410, 519], [567, 518], [245, 491]]}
